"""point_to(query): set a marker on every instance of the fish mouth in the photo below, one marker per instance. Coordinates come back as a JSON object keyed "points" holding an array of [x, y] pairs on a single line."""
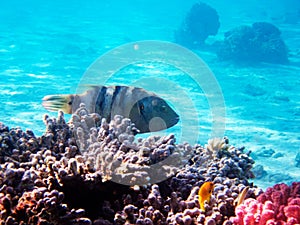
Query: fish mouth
{"points": [[174, 121]]}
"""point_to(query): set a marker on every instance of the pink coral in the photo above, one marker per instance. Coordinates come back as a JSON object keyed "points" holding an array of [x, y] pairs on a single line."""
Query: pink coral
{"points": [[292, 211], [279, 205]]}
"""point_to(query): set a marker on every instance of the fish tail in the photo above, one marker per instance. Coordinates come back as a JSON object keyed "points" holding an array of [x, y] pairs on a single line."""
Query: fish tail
{"points": [[201, 203], [58, 102]]}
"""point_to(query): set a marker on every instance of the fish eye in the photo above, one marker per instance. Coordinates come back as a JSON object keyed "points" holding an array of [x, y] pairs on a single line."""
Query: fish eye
{"points": [[163, 108], [142, 107]]}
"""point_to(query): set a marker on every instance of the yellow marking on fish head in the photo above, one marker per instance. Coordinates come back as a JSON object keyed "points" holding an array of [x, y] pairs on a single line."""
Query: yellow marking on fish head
{"points": [[205, 193]]}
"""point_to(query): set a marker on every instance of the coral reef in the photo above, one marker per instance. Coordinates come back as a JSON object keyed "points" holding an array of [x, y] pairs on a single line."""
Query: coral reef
{"points": [[28, 193], [201, 21], [79, 173], [260, 42], [277, 205], [111, 149]]}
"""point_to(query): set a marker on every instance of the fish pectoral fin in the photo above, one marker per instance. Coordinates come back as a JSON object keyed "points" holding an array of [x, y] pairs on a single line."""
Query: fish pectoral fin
{"points": [[58, 102]]}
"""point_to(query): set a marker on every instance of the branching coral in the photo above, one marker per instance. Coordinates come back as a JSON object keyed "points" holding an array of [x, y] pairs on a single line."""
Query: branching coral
{"points": [[71, 179], [278, 205], [112, 150]]}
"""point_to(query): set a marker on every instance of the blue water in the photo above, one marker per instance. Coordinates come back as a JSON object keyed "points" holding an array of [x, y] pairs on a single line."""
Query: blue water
{"points": [[46, 47]]}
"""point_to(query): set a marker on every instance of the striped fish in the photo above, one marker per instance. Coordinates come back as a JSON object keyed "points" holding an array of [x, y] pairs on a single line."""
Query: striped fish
{"points": [[145, 109]]}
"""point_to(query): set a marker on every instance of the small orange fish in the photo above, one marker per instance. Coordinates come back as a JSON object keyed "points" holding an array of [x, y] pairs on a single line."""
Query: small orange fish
{"points": [[205, 193]]}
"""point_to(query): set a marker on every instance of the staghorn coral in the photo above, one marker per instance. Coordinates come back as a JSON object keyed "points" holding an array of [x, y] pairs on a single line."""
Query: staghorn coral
{"points": [[279, 204]]}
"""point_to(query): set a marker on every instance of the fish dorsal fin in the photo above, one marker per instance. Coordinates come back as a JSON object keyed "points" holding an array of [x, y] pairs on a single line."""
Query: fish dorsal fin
{"points": [[86, 87]]}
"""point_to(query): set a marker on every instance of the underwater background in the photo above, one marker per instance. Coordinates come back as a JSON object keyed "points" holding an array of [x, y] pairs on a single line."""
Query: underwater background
{"points": [[46, 47]]}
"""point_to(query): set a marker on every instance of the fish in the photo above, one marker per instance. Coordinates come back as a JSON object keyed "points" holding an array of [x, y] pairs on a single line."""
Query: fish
{"points": [[205, 193], [145, 109], [241, 197]]}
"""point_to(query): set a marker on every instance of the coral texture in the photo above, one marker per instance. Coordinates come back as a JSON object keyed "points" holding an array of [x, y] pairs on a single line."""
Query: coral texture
{"points": [[77, 173], [277, 205]]}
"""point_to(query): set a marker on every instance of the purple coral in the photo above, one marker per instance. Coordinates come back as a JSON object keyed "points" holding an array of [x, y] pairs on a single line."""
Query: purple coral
{"points": [[66, 181]]}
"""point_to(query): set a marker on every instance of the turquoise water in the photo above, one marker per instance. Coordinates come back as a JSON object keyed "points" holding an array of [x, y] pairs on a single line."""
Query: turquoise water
{"points": [[46, 47]]}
